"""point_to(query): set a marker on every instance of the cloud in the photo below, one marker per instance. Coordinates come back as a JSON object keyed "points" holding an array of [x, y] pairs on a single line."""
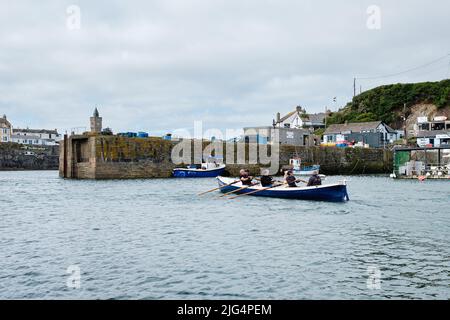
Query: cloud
{"points": [[161, 65]]}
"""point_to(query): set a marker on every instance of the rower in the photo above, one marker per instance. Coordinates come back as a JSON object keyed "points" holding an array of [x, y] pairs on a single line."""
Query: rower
{"points": [[315, 180], [245, 177], [291, 180], [266, 179]]}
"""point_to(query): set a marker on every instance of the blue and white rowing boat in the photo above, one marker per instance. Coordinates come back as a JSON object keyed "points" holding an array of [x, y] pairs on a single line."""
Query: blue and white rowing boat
{"points": [[332, 192]]}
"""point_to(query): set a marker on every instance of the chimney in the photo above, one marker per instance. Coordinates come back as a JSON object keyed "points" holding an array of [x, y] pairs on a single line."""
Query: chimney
{"points": [[278, 117], [299, 109]]}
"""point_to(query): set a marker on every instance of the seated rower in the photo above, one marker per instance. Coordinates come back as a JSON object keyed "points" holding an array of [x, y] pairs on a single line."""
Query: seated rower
{"points": [[291, 180], [266, 179], [245, 178], [315, 180]]}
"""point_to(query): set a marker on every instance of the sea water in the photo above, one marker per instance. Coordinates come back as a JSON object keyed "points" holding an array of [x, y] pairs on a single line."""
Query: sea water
{"points": [[156, 239]]}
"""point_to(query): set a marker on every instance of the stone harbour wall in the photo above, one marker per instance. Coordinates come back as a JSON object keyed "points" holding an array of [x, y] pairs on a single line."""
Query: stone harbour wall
{"points": [[113, 157]]}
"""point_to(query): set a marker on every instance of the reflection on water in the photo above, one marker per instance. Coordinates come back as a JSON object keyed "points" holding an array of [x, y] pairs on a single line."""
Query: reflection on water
{"points": [[155, 239]]}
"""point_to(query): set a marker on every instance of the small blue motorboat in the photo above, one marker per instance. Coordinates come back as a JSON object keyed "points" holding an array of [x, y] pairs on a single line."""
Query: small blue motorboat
{"points": [[212, 168], [300, 170], [332, 192], [194, 172]]}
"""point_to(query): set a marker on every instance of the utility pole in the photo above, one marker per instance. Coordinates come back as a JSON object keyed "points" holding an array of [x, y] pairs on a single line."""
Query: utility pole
{"points": [[404, 124], [354, 87]]}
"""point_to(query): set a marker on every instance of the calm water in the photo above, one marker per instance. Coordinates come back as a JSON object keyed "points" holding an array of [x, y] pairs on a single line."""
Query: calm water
{"points": [[155, 239]]}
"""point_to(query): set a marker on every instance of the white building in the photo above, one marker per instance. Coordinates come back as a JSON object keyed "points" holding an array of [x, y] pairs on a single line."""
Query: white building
{"points": [[5, 130], [376, 134], [434, 133], [36, 137], [299, 119]]}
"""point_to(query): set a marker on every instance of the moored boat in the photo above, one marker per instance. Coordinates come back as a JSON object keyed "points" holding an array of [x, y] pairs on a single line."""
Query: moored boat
{"points": [[333, 192], [211, 169], [300, 170]]}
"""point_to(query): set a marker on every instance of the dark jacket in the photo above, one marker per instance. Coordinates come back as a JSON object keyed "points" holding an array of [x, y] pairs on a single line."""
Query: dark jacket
{"points": [[246, 180], [315, 180], [266, 181], [291, 181]]}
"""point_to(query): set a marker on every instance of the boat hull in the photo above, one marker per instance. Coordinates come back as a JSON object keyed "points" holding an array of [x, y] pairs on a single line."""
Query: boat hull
{"points": [[329, 193], [198, 173], [304, 173], [309, 171]]}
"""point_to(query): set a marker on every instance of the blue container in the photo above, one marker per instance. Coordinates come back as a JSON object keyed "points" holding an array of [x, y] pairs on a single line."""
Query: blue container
{"points": [[142, 135]]}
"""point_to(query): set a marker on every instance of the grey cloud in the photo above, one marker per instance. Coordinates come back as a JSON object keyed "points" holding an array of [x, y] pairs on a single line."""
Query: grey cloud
{"points": [[161, 65]]}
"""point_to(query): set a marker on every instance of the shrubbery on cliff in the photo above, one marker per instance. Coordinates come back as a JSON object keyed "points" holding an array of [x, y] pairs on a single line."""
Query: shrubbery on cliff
{"points": [[386, 103]]}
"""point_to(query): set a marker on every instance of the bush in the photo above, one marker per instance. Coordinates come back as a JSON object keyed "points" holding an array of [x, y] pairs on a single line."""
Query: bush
{"points": [[386, 103]]}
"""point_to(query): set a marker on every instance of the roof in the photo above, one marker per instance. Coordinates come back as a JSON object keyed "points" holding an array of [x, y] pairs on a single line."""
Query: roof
{"points": [[15, 136], [354, 127], [314, 118], [389, 129], [4, 121], [317, 117], [36, 131]]}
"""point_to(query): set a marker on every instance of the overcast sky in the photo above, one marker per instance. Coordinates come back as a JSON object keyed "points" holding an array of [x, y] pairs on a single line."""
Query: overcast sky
{"points": [[158, 66]]}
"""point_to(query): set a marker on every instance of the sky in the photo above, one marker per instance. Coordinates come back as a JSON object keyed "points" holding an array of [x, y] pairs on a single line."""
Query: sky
{"points": [[159, 66]]}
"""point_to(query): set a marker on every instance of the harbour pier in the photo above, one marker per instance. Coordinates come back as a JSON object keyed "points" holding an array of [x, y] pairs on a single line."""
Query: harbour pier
{"points": [[97, 156]]}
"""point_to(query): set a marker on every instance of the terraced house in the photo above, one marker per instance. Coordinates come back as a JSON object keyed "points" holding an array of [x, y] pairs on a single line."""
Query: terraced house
{"points": [[5, 130], [36, 137]]}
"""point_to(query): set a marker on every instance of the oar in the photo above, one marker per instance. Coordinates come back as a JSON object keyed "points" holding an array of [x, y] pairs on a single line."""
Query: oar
{"points": [[227, 185], [237, 190], [256, 191]]}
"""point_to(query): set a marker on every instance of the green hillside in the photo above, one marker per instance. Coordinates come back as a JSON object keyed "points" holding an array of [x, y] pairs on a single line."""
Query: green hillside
{"points": [[386, 102]]}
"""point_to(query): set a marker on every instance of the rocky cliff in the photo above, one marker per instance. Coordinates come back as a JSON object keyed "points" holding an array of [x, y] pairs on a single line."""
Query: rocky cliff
{"points": [[18, 157]]}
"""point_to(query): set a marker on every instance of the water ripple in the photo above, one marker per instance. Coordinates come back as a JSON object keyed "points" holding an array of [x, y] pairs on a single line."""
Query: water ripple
{"points": [[155, 239]]}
